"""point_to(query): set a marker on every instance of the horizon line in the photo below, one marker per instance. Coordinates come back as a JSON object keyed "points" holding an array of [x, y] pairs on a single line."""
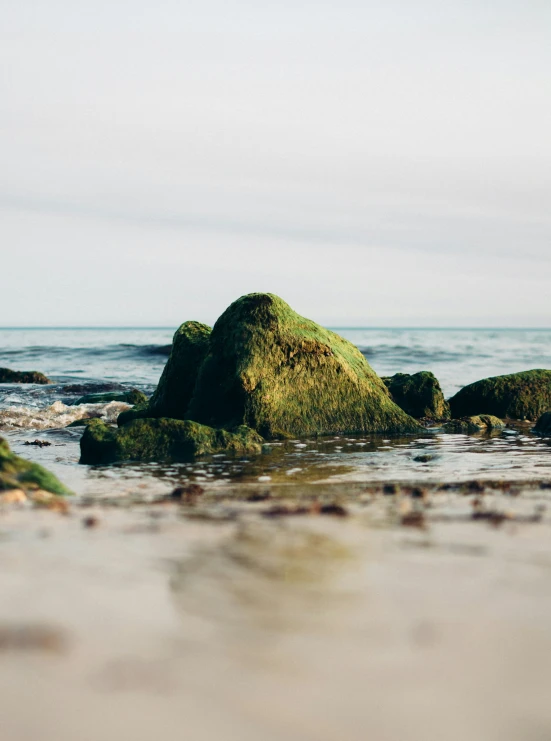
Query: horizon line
{"points": [[330, 327]]}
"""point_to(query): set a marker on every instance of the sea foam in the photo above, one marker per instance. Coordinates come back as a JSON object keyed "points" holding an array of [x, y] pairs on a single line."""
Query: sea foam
{"points": [[57, 415]]}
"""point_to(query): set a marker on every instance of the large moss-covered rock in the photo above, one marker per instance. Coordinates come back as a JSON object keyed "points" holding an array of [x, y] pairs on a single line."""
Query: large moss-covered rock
{"points": [[543, 425], [11, 376], [175, 389], [418, 394], [523, 395], [478, 423], [18, 473], [163, 439], [286, 376]]}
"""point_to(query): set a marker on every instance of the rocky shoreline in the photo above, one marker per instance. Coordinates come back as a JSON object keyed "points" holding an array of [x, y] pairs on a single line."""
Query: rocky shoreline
{"points": [[264, 373]]}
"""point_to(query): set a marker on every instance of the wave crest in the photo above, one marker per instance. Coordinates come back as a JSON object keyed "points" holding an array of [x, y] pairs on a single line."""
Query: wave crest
{"points": [[57, 415]]}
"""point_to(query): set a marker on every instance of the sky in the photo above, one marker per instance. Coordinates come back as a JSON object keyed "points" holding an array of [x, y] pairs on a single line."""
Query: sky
{"points": [[375, 164]]}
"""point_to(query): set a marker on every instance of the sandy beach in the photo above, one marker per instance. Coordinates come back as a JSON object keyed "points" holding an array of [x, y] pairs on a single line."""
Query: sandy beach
{"points": [[222, 618]]}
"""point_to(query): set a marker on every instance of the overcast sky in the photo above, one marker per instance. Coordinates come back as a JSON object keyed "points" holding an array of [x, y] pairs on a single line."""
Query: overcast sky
{"points": [[374, 163]]}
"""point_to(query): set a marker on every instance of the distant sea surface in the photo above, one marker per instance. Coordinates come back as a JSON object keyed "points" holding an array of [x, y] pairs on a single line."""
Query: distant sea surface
{"points": [[136, 356]]}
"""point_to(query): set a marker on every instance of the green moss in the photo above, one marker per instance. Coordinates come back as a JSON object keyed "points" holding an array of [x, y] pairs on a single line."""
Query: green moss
{"points": [[470, 425], [543, 425], [177, 382], [11, 376], [175, 388], [163, 439], [17, 473], [134, 396], [82, 422], [285, 376], [140, 411], [419, 395], [523, 395]]}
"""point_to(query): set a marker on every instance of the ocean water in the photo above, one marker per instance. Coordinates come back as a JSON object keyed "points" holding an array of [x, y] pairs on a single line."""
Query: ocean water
{"points": [[136, 356], [95, 359]]}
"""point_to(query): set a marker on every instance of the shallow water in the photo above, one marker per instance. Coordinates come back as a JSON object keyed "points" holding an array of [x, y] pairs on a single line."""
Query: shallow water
{"points": [[86, 360]]}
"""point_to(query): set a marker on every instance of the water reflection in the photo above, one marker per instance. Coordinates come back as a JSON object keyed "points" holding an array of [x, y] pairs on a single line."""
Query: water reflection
{"points": [[430, 457]]}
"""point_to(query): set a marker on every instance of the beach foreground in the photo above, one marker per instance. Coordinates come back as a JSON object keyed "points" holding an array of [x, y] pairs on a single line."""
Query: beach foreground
{"points": [[328, 588], [224, 615]]}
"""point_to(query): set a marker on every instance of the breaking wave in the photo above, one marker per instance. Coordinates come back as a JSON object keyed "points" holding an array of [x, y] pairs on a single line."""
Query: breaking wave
{"points": [[57, 415]]}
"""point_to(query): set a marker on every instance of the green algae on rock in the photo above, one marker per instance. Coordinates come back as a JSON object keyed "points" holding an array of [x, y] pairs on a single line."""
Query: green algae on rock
{"points": [[134, 396], [281, 374], [11, 376], [177, 383], [163, 439], [18, 473], [419, 394], [524, 395], [172, 396], [470, 425], [140, 411], [543, 425], [84, 422]]}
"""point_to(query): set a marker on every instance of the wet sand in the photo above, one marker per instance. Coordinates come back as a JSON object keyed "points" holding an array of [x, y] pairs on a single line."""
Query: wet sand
{"points": [[419, 617]]}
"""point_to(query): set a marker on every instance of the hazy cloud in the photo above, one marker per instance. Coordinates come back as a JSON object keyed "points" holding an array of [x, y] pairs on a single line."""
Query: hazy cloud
{"points": [[372, 164]]}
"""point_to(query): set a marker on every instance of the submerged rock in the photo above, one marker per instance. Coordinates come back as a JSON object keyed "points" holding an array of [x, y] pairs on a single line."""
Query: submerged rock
{"points": [[523, 395], [162, 439], [18, 473], [469, 425], [543, 425], [134, 396], [11, 376], [418, 394], [285, 376]]}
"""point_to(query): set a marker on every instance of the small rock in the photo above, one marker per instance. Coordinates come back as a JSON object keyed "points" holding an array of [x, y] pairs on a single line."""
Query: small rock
{"points": [[333, 509], [259, 496], [187, 494], [47, 500], [414, 519], [13, 496], [11, 376], [283, 510], [90, 522]]}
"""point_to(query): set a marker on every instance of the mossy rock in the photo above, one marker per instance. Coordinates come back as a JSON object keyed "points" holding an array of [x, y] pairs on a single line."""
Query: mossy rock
{"points": [[134, 396], [524, 395], [163, 439], [18, 473], [173, 394], [477, 423], [140, 411], [82, 422], [286, 376], [543, 425], [419, 395], [11, 376]]}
